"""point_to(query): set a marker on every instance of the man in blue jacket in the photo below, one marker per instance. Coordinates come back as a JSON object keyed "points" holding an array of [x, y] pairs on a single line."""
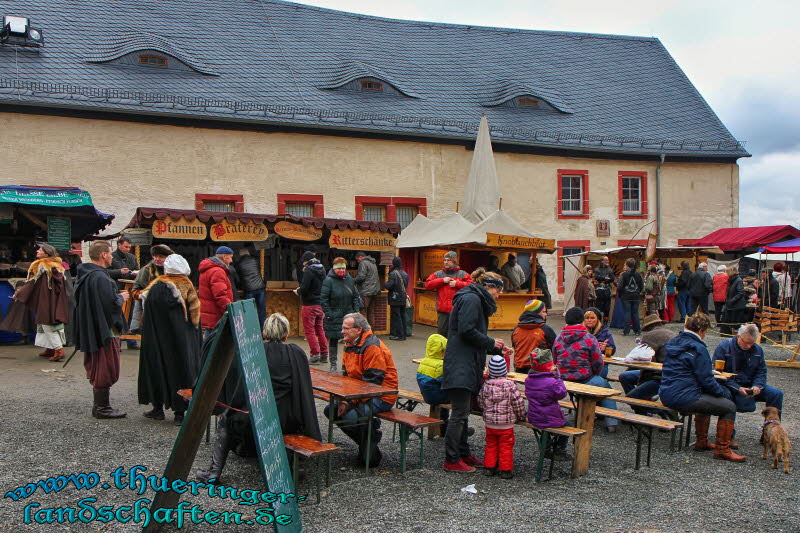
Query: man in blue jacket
{"points": [[745, 358]]}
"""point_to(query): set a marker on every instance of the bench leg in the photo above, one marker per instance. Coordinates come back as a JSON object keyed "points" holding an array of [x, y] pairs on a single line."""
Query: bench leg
{"points": [[689, 420], [332, 413], [369, 436], [316, 477], [435, 431], [295, 470], [422, 445], [403, 442], [544, 440], [638, 446], [649, 444]]}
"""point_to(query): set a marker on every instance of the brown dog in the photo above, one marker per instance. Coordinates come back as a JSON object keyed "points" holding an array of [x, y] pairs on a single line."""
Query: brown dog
{"points": [[775, 439]]}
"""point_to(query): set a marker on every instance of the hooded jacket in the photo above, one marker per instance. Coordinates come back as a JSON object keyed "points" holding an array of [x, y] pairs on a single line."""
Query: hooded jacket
{"points": [[444, 292], [577, 353], [467, 341], [370, 360], [605, 335], [338, 297], [215, 291], [502, 403], [311, 288], [531, 333], [687, 372], [750, 369], [429, 371], [367, 280], [543, 390]]}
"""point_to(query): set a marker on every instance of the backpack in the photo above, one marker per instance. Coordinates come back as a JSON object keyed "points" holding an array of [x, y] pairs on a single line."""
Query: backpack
{"points": [[631, 287]]}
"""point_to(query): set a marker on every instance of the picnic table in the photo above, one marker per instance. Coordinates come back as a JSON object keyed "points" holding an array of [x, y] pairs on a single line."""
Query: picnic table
{"points": [[340, 387], [722, 376], [586, 398]]}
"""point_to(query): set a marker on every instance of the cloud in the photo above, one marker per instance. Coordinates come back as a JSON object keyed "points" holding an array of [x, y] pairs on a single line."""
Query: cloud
{"points": [[768, 189]]}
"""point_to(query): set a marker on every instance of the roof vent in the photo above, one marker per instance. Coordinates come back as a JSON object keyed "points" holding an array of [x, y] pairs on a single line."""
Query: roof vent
{"points": [[18, 30]]}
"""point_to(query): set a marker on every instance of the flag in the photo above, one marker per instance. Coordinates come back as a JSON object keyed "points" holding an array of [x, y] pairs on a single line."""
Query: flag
{"points": [[650, 252]]}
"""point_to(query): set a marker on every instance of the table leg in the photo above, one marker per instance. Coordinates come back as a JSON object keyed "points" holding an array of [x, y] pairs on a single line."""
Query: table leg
{"points": [[583, 444], [369, 435]]}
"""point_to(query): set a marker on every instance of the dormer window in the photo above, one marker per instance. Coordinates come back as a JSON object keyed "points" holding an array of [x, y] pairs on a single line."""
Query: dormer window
{"points": [[527, 101], [369, 85], [152, 60]]}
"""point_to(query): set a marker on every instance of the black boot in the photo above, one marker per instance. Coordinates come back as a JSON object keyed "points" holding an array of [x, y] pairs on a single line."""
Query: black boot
{"points": [[178, 419], [218, 457], [156, 413], [333, 369], [103, 407]]}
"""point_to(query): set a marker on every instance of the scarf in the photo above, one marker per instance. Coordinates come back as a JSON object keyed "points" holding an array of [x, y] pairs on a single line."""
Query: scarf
{"points": [[184, 291], [45, 265]]}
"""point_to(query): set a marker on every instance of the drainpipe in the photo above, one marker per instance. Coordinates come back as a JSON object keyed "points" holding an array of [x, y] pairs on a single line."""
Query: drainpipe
{"points": [[658, 198]]}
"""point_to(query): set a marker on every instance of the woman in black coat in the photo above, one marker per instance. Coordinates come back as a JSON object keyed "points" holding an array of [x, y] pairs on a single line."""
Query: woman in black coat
{"points": [[465, 359], [397, 285], [735, 303]]}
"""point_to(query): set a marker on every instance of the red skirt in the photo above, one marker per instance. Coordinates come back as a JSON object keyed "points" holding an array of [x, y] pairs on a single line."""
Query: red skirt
{"points": [[102, 366]]}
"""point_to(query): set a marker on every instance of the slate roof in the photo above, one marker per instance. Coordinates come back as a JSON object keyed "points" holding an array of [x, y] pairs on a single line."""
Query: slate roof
{"points": [[276, 62]]}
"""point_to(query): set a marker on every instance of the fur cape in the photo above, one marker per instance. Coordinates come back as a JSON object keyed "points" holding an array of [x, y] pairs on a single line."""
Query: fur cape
{"points": [[184, 291], [45, 265]]}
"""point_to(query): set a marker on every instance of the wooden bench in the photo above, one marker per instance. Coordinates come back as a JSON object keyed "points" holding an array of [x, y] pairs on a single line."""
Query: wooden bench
{"points": [[302, 445], [612, 378], [409, 423], [324, 396], [543, 440], [408, 400], [644, 426]]}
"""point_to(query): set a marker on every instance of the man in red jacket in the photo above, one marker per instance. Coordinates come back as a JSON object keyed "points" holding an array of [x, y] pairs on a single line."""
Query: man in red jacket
{"points": [[215, 289], [447, 282], [720, 290]]}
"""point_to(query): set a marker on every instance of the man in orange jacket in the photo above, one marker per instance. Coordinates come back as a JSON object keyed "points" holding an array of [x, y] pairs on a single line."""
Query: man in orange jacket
{"points": [[447, 282], [368, 359]]}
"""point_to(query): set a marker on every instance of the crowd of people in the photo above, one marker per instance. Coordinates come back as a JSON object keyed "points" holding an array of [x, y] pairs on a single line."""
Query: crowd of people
{"points": [[178, 324]]}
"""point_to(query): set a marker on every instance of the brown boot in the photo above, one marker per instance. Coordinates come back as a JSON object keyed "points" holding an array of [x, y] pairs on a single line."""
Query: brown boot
{"points": [[47, 353], [701, 423], [58, 355], [103, 408], [723, 449]]}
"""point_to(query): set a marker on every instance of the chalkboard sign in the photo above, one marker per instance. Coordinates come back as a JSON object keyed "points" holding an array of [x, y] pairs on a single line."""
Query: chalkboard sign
{"points": [[59, 232], [263, 412]]}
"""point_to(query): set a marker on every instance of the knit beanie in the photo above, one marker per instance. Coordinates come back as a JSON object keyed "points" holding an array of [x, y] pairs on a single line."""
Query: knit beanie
{"points": [[497, 366], [542, 360], [306, 256], [224, 250], [451, 255], [573, 316], [534, 305]]}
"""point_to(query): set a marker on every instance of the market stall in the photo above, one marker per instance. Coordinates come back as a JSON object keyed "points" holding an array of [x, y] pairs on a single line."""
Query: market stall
{"points": [[277, 240], [423, 244], [60, 216]]}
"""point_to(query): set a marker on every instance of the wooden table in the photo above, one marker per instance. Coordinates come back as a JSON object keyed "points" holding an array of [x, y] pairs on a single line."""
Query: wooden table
{"points": [[587, 397], [722, 376], [344, 388]]}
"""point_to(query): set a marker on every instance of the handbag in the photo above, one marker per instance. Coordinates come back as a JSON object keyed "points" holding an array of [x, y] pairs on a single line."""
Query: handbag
{"points": [[642, 353], [403, 285]]}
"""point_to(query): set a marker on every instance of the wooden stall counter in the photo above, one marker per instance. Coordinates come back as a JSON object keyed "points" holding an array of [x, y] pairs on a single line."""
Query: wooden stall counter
{"points": [[509, 307]]}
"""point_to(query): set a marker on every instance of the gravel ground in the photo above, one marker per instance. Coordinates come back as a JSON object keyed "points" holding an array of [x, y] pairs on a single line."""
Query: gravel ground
{"points": [[47, 431]]}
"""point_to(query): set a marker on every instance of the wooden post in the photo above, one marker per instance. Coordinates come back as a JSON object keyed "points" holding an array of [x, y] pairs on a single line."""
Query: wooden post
{"points": [[262, 259], [583, 444], [533, 272]]}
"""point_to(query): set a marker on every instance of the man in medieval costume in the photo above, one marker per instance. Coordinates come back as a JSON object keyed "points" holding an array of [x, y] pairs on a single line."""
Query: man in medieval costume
{"points": [[44, 293], [146, 274], [98, 322], [170, 353]]}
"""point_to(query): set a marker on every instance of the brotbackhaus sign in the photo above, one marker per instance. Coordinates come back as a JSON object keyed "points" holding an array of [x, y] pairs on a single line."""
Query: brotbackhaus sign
{"points": [[298, 232], [238, 231], [356, 239], [169, 228], [497, 240]]}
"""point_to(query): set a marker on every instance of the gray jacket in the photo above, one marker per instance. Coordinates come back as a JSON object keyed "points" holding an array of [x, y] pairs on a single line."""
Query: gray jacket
{"points": [[367, 281]]}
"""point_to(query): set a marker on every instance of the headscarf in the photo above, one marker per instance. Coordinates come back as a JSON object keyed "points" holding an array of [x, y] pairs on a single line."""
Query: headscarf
{"points": [[176, 264]]}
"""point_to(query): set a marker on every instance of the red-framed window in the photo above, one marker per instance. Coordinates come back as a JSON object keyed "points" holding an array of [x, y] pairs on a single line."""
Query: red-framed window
{"points": [[400, 209], [301, 205], [573, 193], [568, 248], [632, 188], [634, 242], [231, 203]]}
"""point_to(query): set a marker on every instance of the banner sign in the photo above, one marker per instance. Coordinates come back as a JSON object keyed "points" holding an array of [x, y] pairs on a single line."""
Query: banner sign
{"points": [[238, 231], [496, 240], [298, 232], [50, 197], [169, 228], [356, 239], [139, 236]]}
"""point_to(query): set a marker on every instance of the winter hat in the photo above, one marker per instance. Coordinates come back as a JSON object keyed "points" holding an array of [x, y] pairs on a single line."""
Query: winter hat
{"points": [[490, 281], [542, 360], [534, 305], [361, 254], [574, 315], [306, 256], [162, 249], [651, 320], [451, 255], [176, 264], [48, 249], [497, 367], [339, 262], [223, 250]]}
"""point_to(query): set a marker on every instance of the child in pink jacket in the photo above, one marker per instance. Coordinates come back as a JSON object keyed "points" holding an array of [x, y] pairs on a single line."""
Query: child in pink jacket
{"points": [[503, 405]]}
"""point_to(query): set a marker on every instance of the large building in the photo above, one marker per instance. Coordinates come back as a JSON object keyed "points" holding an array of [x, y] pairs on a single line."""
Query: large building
{"points": [[272, 107]]}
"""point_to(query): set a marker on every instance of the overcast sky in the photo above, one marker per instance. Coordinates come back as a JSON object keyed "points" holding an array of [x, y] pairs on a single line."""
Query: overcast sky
{"points": [[742, 56]]}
